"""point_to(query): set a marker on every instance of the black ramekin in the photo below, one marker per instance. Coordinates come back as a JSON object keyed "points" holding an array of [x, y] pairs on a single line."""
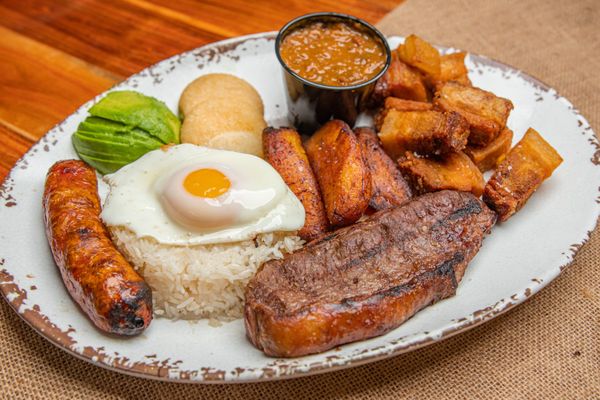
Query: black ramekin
{"points": [[311, 104]]}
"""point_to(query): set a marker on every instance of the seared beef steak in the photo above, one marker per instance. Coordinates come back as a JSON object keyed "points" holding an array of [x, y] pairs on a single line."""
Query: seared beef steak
{"points": [[366, 279]]}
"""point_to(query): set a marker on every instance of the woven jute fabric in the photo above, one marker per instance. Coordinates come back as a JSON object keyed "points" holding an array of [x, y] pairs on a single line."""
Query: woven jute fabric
{"points": [[547, 348]]}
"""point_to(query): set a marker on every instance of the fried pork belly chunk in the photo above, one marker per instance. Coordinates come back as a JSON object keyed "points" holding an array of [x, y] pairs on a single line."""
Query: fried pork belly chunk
{"points": [[336, 159], [425, 132], [394, 103], [400, 80], [485, 112], [421, 55], [389, 188], [282, 148], [486, 157], [519, 175], [366, 279], [452, 69], [453, 171]]}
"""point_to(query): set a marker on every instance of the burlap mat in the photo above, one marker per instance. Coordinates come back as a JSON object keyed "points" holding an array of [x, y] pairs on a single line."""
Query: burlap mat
{"points": [[548, 348]]}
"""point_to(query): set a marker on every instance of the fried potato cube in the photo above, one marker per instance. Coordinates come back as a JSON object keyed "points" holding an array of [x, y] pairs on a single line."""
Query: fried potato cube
{"points": [[520, 174], [389, 188], [335, 156], [418, 53], [425, 132], [394, 103], [400, 80], [454, 171], [283, 149], [487, 157], [485, 112]]}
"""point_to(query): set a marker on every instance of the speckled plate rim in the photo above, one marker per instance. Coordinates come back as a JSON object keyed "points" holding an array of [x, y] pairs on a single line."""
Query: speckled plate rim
{"points": [[43, 326]]}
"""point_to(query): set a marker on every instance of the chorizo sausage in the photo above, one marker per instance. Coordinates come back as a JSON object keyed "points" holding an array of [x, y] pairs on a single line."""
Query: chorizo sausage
{"points": [[107, 288]]}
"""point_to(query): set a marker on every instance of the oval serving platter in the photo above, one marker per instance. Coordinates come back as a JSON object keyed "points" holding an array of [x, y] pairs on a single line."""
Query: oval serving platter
{"points": [[518, 259]]}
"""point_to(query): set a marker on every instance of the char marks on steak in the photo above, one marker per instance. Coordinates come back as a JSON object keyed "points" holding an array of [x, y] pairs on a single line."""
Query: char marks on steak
{"points": [[366, 279]]}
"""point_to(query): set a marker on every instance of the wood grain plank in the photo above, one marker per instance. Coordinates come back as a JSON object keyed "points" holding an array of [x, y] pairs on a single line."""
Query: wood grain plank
{"points": [[13, 147], [242, 17], [40, 86], [124, 36], [56, 55], [184, 15], [116, 35]]}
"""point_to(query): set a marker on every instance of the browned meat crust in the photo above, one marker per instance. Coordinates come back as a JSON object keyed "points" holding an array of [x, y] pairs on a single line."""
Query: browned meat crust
{"points": [[99, 279], [486, 157], [424, 132], [366, 279], [452, 68], [400, 80], [453, 171], [520, 174], [394, 103], [389, 188], [485, 112]]}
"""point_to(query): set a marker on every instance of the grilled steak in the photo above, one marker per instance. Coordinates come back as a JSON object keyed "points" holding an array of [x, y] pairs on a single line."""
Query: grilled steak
{"points": [[364, 280]]}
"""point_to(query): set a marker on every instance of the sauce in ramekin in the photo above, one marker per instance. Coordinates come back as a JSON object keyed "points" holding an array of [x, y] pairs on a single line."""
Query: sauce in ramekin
{"points": [[333, 53]]}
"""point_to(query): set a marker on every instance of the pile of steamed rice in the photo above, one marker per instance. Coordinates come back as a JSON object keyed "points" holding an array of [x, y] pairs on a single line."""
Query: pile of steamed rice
{"points": [[201, 281]]}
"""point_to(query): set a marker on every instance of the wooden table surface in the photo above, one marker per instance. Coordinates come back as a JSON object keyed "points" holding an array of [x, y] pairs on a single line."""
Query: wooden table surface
{"points": [[57, 54]]}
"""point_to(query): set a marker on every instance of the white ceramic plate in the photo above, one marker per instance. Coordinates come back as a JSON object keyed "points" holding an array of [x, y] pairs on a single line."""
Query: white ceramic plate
{"points": [[518, 259]]}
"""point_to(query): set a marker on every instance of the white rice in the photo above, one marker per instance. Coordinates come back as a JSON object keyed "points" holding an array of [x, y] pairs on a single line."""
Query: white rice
{"points": [[200, 281]]}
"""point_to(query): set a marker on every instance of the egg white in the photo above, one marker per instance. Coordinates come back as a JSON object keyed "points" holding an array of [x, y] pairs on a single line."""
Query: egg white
{"points": [[134, 199]]}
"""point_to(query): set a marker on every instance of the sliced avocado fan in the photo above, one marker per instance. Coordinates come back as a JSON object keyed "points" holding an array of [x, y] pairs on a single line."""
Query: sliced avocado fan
{"points": [[123, 127], [137, 110]]}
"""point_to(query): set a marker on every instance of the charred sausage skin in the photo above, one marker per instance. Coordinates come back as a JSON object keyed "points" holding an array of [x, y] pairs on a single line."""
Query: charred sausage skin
{"points": [[98, 278]]}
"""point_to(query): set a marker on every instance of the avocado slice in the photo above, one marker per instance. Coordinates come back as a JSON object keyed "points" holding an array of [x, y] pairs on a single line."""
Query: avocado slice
{"points": [[108, 145], [134, 109], [116, 131], [101, 165], [121, 128]]}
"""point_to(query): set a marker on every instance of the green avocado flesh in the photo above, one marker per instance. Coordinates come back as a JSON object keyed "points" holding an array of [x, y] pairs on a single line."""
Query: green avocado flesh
{"points": [[122, 127], [135, 109]]}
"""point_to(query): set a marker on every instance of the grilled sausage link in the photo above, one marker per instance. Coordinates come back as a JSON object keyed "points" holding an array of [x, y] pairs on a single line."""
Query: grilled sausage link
{"points": [[96, 275]]}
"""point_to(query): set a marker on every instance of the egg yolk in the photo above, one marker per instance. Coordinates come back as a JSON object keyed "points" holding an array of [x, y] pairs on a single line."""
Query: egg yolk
{"points": [[206, 182]]}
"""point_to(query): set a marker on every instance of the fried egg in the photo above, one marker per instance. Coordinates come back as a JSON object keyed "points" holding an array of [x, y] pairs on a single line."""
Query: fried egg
{"points": [[187, 195]]}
